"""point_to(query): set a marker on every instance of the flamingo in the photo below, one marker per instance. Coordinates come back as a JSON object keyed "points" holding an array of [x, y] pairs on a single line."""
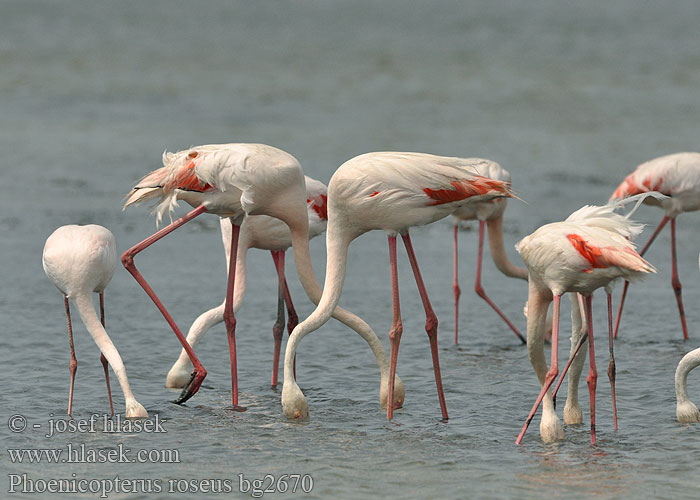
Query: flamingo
{"points": [[235, 180], [589, 250], [677, 176], [391, 191], [488, 213], [686, 411], [81, 260], [266, 233]]}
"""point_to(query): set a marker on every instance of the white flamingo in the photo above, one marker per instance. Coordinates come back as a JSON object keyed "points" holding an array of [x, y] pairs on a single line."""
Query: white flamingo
{"points": [[81, 260], [389, 191], [587, 251]]}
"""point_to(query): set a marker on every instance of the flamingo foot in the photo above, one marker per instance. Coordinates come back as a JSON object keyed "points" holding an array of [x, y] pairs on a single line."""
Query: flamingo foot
{"points": [[192, 386]]}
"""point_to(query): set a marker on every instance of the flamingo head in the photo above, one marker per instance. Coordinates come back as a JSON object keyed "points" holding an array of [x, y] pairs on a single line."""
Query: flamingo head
{"points": [[399, 392], [687, 412], [134, 409], [178, 376], [294, 402]]}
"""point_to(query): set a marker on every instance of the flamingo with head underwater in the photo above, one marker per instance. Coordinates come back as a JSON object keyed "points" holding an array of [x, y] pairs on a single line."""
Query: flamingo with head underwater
{"points": [[80, 260], [265, 233], [390, 191], [678, 177], [235, 180], [587, 251], [489, 214]]}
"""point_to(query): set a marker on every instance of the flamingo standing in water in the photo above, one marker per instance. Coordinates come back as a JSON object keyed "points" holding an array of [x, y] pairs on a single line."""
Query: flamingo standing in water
{"points": [[235, 180], [589, 250], [81, 260], [678, 177], [488, 213], [266, 233], [389, 191]]}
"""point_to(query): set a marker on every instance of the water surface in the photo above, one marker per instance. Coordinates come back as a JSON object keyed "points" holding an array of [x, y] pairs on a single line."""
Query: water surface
{"points": [[569, 98]]}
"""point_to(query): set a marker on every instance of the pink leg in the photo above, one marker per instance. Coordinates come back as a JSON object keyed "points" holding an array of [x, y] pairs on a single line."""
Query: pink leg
{"points": [[480, 290], [675, 282], [627, 283], [73, 365], [279, 324], [396, 327], [128, 261], [230, 318], [103, 360], [455, 285], [592, 378], [292, 318], [431, 322], [611, 365], [551, 373]]}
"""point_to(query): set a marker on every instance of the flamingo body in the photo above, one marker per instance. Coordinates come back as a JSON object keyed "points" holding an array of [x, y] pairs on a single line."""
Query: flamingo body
{"points": [[675, 175], [570, 257], [490, 209], [81, 260], [228, 179], [393, 191]]}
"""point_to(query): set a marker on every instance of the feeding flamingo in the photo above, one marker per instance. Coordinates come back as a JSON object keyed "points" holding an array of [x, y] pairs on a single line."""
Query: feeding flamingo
{"points": [[81, 260], [678, 177], [235, 180], [389, 191], [265, 233], [488, 213], [589, 250]]}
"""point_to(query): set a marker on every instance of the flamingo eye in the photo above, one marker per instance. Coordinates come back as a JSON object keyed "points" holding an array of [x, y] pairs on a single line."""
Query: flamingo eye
{"points": [[193, 154]]}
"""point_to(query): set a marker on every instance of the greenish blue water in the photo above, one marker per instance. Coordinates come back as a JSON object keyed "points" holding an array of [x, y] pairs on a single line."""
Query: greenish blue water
{"points": [[569, 98]]}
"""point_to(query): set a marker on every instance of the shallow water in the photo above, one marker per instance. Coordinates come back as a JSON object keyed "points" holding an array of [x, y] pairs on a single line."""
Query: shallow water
{"points": [[568, 98]]}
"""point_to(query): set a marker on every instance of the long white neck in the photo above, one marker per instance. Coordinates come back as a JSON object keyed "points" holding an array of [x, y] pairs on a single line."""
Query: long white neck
{"points": [[83, 301], [337, 243], [498, 251], [689, 361], [538, 301]]}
